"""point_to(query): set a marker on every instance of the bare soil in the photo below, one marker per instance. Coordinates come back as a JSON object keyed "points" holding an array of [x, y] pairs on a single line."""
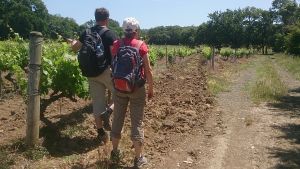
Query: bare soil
{"points": [[180, 107], [185, 127]]}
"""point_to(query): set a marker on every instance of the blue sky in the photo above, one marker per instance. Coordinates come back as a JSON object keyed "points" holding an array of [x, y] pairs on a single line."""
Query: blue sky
{"points": [[150, 13]]}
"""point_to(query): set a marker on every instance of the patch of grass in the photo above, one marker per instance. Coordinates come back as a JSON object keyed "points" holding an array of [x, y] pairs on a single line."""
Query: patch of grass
{"points": [[247, 64], [17, 148], [292, 64], [217, 84], [268, 85], [36, 153], [6, 160], [71, 159], [220, 81], [74, 130]]}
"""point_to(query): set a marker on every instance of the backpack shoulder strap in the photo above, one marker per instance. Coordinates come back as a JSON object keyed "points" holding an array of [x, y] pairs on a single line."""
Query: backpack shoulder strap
{"points": [[139, 44], [122, 42], [88, 31], [103, 30]]}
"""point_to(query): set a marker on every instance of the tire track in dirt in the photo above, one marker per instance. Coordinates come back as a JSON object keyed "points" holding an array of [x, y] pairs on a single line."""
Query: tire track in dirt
{"points": [[258, 136], [286, 149], [236, 107]]}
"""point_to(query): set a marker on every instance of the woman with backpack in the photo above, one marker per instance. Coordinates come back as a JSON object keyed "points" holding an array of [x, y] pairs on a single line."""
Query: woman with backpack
{"points": [[130, 70]]}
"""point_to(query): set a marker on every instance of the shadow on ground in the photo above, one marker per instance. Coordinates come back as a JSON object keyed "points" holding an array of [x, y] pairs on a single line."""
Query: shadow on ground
{"points": [[289, 157], [102, 165], [288, 106], [58, 144]]}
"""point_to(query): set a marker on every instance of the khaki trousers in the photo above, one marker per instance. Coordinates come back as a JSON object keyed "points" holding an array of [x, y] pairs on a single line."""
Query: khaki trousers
{"points": [[98, 85], [136, 101]]}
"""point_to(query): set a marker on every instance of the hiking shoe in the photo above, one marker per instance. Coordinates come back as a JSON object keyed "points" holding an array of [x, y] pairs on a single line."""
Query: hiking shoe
{"points": [[102, 137], [139, 162], [105, 116], [115, 156]]}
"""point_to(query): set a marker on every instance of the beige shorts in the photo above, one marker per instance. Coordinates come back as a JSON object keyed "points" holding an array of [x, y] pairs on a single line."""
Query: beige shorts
{"points": [[136, 101], [98, 86]]}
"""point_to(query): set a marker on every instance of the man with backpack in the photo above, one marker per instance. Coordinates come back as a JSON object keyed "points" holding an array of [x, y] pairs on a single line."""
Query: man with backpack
{"points": [[130, 70], [94, 58]]}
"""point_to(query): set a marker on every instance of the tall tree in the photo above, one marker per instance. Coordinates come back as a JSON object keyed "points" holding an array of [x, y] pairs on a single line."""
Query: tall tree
{"points": [[250, 23], [292, 41], [64, 26], [23, 16], [113, 25], [286, 11]]}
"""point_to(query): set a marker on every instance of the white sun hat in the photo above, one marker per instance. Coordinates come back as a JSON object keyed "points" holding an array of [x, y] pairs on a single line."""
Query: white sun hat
{"points": [[130, 25]]}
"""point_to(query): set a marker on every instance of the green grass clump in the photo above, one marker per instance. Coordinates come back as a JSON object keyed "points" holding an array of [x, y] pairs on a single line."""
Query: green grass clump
{"points": [[292, 64], [36, 153], [268, 85], [217, 84], [6, 160], [74, 130]]}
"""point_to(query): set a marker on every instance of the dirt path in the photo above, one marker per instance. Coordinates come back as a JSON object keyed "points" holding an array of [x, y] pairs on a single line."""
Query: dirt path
{"points": [[243, 135], [258, 136]]}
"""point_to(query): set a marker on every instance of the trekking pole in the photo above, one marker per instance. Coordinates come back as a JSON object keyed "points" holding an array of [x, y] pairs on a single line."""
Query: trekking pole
{"points": [[33, 108]]}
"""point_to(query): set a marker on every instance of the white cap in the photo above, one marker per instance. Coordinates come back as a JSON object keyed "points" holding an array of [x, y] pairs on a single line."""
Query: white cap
{"points": [[130, 25]]}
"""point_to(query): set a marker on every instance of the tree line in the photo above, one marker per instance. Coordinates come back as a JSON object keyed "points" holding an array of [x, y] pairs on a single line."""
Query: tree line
{"points": [[23, 16], [277, 28]]}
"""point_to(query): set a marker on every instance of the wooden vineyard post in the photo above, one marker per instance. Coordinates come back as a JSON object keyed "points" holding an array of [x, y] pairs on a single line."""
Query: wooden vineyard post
{"points": [[33, 107], [1, 83], [213, 58], [166, 56], [174, 55]]}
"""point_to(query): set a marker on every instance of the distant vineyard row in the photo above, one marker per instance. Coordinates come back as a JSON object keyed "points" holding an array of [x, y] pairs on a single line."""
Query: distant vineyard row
{"points": [[60, 71]]}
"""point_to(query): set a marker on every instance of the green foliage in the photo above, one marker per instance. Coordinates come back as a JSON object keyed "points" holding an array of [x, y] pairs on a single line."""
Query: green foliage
{"points": [[158, 52], [207, 52], [23, 17], [285, 11], [113, 25], [172, 35], [68, 79], [21, 79], [226, 52], [242, 52], [13, 53], [292, 64], [153, 54], [60, 71], [278, 43], [63, 26], [292, 41]]}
